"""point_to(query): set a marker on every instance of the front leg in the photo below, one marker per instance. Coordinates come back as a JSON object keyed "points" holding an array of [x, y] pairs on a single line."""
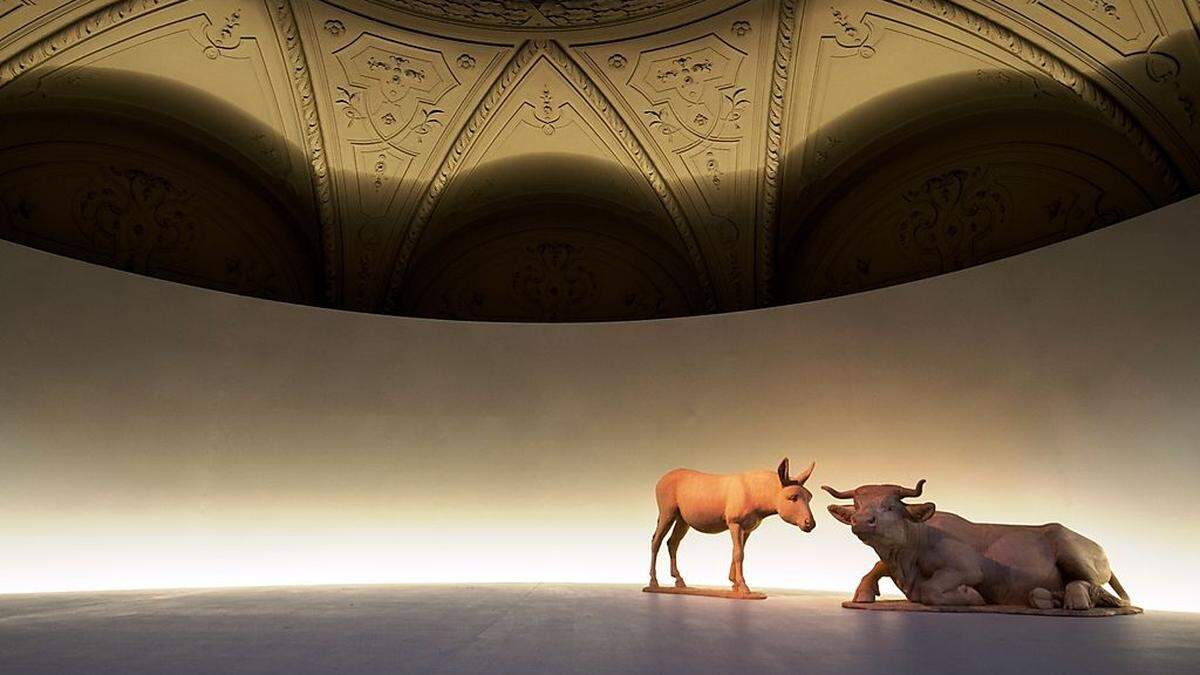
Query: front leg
{"points": [[738, 534], [950, 586], [868, 588]]}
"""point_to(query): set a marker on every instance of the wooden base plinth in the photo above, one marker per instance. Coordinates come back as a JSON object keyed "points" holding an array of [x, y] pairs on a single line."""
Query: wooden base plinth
{"points": [[906, 606], [705, 592]]}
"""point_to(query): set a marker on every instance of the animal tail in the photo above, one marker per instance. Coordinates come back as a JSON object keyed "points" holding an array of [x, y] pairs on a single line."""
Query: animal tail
{"points": [[1116, 585]]}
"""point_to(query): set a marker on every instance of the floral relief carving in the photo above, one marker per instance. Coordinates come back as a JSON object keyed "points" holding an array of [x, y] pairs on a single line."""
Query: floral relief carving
{"points": [[1106, 7], [949, 214], [550, 275], [547, 114], [137, 218], [554, 281], [393, 88], [693, 91], [334, 27]]}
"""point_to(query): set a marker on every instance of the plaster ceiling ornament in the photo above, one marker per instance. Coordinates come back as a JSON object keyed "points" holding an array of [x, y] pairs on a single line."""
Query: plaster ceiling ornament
{"points": [[749, 153], [538, 13]]}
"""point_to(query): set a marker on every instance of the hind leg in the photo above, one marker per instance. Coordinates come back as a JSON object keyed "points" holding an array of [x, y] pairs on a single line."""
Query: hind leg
{"points": [[681, 528], [665, 517], [1085, 570]]}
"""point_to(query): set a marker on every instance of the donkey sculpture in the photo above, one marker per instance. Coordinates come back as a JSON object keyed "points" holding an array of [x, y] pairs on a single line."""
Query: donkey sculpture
{"points": [[736, 502]]}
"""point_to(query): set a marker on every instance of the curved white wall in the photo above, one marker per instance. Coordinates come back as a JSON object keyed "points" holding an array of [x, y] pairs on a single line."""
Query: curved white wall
{"points": [[158, 435]]}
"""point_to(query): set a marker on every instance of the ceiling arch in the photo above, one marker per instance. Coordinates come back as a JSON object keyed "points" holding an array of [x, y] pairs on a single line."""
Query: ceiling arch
{"points": [[961, 193], [122, 192]]}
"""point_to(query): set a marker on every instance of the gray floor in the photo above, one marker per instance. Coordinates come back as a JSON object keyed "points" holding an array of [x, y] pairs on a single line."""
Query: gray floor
{"points": [[525, 628]]}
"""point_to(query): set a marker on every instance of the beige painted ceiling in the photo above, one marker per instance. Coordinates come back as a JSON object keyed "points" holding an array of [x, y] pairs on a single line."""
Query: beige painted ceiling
{"points": [[584, 159]]}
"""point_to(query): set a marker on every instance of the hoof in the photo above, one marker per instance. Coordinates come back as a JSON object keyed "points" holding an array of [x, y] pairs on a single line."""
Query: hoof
{"points": [[1078, 596], [679, 583], [653, 583], [864, 596], [1040, 598]]}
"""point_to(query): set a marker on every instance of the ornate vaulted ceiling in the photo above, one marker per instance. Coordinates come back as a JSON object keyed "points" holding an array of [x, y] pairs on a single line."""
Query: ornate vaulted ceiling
{"points": [[584, 159]]}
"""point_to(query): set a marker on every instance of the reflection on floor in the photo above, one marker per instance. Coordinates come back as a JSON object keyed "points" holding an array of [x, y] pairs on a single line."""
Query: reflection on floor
{"points": [[526, 628]]}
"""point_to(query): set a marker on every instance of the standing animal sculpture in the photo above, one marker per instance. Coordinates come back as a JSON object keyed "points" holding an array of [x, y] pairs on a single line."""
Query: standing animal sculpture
{"points": [[715, 503], [939, 558]]}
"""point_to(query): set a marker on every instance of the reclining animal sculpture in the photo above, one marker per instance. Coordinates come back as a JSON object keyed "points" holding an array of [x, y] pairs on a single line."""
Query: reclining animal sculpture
{"points": [[714, 503], [939, 558]]}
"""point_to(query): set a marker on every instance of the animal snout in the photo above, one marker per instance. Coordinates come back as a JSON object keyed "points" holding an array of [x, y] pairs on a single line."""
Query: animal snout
{"points": [[808, 525], [863, 526]]}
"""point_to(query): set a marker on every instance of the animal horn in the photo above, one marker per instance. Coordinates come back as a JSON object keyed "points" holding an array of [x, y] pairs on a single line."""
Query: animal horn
{"points": [[806, 473], [840, 494], [912, 492]]}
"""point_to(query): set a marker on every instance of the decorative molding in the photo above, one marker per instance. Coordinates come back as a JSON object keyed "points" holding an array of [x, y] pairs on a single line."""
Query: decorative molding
{"points": [[394, 88], [9, 6], [314, 143], [227, 37], [89, 26], [534, 14], [768, 212], [853, 35], [510, 76], [1164, 69], [693, 91], [1083, 87]]}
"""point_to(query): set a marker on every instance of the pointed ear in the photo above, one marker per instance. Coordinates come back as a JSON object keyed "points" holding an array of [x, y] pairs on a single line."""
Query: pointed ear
{"points": [[806, 473], [783, 473], [920, 512], [842, 513]]}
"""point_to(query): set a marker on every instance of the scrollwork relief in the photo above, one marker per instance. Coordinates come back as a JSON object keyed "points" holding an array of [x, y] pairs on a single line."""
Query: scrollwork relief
{"points": [[394, 88], [553, 281], [1164, 69], [139, 219], [224, 35], [949, 214], [853, 35], [693, 91]]}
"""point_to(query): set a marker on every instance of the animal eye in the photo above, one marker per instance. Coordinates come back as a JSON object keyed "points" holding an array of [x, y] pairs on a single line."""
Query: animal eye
{"points": [[793, 498]]}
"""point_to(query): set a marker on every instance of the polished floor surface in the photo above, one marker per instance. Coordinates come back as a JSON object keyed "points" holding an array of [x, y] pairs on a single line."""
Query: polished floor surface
{"points": [[549, 628]]}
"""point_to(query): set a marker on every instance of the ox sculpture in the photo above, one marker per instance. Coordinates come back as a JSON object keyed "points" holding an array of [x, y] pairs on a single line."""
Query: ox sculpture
{"points": [[715, 503], [938, 558]]}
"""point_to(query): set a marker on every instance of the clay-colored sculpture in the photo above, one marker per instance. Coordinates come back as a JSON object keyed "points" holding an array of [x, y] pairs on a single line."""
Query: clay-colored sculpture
{"points": [[715, 503], [939, 558]]}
